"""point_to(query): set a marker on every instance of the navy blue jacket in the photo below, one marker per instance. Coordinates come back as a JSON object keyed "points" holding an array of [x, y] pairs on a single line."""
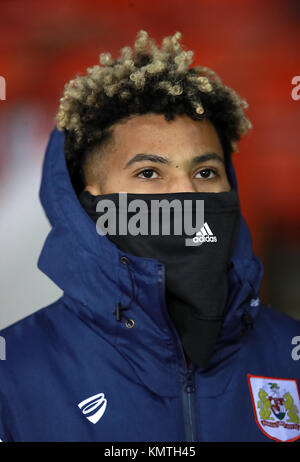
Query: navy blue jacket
{"points": [[73, 372]]}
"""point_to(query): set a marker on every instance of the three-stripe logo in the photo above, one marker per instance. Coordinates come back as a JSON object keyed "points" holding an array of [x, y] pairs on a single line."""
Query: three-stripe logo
{"points": [[204, 235]]}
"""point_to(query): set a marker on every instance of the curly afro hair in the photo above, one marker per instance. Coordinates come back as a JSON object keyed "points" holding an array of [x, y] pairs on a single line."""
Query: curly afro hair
{"points": [[143, 80]]}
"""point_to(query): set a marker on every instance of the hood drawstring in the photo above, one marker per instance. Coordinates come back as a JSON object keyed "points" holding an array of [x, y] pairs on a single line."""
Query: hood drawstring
{"points": [[119, 309], [247, 321]]}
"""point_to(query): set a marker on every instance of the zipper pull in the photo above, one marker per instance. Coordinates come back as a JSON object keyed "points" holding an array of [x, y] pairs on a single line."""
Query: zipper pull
{"points": [[190, 384]]}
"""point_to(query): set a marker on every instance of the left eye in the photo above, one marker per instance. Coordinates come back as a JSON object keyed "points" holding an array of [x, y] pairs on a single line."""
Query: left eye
{"points": [[147, 173], [206, 173]]}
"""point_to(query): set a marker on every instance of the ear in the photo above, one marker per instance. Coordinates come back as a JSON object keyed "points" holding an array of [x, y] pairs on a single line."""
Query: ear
{"points": [[95, 190]]}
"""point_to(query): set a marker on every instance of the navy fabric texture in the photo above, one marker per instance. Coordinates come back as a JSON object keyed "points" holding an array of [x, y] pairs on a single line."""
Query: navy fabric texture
{"points": [[76, 348]]}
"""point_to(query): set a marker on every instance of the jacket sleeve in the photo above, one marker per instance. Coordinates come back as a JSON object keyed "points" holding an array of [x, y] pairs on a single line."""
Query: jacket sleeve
{"points": [[4, 430]]}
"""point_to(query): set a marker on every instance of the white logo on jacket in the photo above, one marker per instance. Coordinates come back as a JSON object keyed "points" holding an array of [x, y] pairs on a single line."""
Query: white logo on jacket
{"points": [[94, 403]]}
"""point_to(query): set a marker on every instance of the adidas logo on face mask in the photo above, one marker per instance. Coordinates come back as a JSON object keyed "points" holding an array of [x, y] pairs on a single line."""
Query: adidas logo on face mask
{"points": [[204, 235]]}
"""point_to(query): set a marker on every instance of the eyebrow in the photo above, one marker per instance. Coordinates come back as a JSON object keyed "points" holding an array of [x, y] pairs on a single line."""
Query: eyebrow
{"points": [[207, 156], [164, 160], [143, 157]]}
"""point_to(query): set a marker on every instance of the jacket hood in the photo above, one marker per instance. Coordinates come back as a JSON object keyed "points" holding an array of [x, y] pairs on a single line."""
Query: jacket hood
{"points": [[88, 267]]}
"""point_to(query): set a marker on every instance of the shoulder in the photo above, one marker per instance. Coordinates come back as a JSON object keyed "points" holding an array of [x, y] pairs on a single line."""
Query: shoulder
{"points": [[277, 321], [273, 344], [31, 346], [33, 320], [27, 339]]}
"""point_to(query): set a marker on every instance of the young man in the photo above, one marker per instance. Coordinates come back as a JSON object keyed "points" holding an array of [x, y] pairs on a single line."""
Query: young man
{"points": [[157, 337]]}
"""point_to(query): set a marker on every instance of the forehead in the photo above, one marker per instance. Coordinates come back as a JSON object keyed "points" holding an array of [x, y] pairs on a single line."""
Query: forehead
{"points": [[151, 132]]}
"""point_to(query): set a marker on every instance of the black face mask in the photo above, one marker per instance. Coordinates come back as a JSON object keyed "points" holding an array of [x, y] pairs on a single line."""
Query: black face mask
{"points": [[196, 275]]}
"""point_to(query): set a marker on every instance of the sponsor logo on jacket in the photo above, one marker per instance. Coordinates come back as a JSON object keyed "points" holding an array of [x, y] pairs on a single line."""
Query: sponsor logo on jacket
{"points": [[93, 407]]}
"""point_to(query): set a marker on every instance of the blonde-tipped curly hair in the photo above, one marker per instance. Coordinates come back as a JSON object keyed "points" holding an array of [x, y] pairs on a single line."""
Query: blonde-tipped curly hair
{"points": [[142, 80]]}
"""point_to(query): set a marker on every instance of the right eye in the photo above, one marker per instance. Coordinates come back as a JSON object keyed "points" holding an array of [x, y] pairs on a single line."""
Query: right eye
{"points": [[147, 174]]}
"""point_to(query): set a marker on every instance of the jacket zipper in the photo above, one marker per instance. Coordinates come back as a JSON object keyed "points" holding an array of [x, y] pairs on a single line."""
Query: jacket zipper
{"points": [[187, 377], [189, 406]]}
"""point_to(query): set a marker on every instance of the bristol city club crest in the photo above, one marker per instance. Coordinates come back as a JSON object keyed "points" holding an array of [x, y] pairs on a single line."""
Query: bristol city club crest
{"points": [[276, 406]]}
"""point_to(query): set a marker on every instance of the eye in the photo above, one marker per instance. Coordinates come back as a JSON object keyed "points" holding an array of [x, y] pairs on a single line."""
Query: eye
{"points": [[205, 174], [148, 174]]}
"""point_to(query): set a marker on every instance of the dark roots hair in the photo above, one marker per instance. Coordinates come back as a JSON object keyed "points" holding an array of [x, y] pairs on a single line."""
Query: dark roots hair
{"points": [[143, 80]]}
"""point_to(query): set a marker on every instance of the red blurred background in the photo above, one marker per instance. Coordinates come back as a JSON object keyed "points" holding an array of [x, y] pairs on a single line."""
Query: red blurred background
{"points": [[253, 45]]}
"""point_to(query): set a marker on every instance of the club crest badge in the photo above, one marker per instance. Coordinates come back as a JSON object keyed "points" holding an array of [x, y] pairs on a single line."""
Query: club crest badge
{"points": [[276, 406]]}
